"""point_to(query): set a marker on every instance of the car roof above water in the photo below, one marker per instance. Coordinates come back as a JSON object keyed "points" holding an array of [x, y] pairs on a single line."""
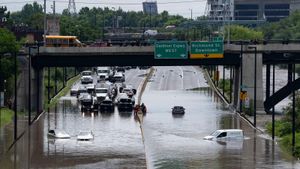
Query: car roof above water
{"points": [[230, 130]]}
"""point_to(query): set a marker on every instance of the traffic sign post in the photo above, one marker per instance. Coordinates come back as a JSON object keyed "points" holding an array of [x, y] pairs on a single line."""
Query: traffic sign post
{"points": [[243, 95], [203, 50], [171, 50]]}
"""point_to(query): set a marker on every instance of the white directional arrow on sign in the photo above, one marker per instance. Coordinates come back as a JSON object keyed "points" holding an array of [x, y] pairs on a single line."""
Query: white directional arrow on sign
{"points": [[182, 55], [158, 55]]}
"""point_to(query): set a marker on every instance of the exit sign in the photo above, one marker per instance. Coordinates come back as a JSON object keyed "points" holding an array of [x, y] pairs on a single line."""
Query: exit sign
{"points": [[203, 50]]}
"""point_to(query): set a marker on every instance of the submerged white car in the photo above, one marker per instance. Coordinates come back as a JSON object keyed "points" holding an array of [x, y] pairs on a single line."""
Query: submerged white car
{"points": [[85, 135], [226, 134], [58, 134]]}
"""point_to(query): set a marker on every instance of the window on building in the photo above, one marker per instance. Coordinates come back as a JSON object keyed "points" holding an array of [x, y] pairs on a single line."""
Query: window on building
{"points": [[277, 6], [246, 6]]}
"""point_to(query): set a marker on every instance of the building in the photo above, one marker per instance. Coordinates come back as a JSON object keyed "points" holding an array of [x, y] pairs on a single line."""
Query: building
{"points": [[268, 10], [150, 7], [220, 9]]}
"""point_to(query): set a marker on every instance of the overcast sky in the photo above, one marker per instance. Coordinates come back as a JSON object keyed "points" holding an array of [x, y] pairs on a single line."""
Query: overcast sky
{"points": [[181, 7]]}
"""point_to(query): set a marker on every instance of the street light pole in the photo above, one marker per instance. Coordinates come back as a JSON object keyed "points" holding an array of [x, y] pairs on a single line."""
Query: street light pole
{"points": [[229, 18], [29, 86], [15, 102], [241, 83], [255, 65]]}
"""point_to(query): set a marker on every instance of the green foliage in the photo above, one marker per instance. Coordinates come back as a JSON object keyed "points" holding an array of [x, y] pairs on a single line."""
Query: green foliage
{"points": [[288, 111], [288, 28], [7, 47], [286, 143], [7, 67], [226, 86], [6, 116], [60, 78], [8, 41], [282, 128], [89, 23], [31, 15], [63, 92], [238, 32], [297, 69]]}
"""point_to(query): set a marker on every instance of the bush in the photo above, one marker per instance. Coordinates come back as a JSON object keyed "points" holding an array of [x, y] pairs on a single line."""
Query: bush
{"points": [[286, 144], [6, 116], [282, 128]]}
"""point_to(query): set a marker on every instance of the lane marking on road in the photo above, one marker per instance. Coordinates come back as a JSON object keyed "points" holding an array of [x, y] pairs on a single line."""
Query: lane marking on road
{"points": [[180, 67]]}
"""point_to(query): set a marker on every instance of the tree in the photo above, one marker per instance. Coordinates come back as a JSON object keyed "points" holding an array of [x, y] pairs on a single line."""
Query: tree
{"points": [[30, 15], [288, 28], [243, 33], [8, 45], [8, 41]]}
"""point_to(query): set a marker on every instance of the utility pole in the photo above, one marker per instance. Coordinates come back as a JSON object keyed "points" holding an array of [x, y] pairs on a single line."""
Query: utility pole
{"points": [[45, 23], [114, 17], [191, 14], [53, 8], [229, 18], [150, 16]]}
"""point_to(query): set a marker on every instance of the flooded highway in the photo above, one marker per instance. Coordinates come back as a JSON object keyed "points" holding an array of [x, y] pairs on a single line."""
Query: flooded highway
{"points": [[161, 141], [177, 141]]}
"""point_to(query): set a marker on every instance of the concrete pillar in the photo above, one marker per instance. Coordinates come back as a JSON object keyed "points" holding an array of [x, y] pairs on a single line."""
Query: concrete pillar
{"points": [[236, 87], [22, 84], [248, 77], [37, 90]]}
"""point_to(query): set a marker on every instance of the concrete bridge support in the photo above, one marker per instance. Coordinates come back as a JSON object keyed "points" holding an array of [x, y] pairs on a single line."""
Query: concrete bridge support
{"points": [[248, 78], [38, 90], [236, 87]]}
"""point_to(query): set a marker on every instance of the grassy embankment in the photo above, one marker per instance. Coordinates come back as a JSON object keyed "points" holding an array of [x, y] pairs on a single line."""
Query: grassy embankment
{"points": [[62, 92], [283, 130], [6, 116]]}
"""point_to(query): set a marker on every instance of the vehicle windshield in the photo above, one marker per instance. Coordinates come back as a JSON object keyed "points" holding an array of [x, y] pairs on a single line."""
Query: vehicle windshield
{"points": [[101, 90], [215, 133], [102, 71], [126, 90], [106, 102], [82, 91], [178, 107], [125, 100], [86, 73], [84, 133]]}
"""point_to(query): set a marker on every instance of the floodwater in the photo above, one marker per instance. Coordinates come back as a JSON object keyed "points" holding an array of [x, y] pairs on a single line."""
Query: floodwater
{"points": [[281, 80], [161, 141], [177, 141]]}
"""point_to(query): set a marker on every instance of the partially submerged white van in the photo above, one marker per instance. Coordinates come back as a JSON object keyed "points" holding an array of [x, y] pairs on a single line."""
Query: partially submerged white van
{"points": [[226, 134]]}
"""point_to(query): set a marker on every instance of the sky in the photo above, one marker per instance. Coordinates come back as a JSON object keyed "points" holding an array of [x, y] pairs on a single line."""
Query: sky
{"points": [[181, 7]]}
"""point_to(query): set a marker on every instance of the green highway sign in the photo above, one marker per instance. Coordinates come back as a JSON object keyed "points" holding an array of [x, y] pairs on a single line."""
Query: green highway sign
{"points": [[171, 50], [219, 38], [203, 50]]}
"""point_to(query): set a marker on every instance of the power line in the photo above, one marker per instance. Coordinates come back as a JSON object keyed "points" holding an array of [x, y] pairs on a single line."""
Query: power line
{"points": [[102, 3], [107, 3], [133, 3]]}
